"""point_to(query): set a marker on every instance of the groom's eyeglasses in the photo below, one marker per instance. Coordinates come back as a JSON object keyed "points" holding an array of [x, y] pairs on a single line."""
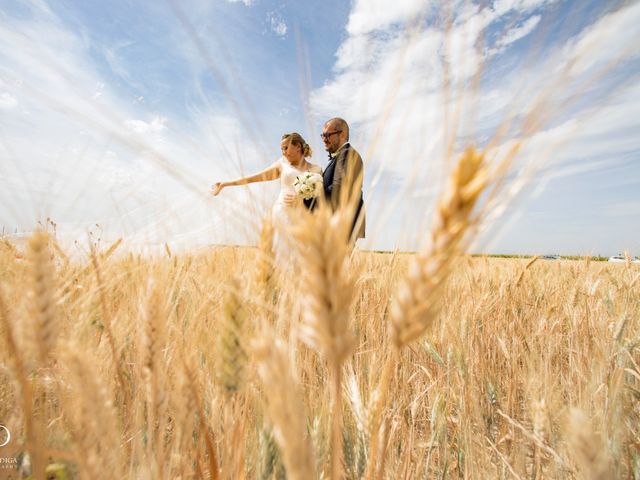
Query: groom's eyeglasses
{"points": [[327, 136]]}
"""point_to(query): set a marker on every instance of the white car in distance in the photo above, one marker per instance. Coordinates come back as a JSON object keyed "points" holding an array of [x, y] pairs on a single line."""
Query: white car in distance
{"points": [[623, 259]]}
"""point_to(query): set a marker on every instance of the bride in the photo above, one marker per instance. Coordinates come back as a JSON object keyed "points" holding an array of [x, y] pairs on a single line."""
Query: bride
{"points": [[295, 151]]}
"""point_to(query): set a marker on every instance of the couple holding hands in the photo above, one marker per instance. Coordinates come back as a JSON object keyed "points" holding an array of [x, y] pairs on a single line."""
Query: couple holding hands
{"points": [[341, 180]]}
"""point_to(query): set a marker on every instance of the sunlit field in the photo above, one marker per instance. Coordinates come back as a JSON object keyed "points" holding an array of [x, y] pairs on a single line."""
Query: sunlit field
{"points": [[156, 327], [200, 366]]}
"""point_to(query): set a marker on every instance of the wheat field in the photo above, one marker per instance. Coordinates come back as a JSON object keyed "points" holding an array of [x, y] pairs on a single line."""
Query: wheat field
{"points": [[216, 365], [222, 363]]}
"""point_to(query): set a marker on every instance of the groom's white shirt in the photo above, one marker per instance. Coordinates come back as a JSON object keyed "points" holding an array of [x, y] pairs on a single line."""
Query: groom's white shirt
{"points": [[334, 154]]}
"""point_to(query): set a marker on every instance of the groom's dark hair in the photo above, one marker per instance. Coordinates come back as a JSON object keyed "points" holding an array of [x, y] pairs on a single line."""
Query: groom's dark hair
{"points": [[341, 124]]}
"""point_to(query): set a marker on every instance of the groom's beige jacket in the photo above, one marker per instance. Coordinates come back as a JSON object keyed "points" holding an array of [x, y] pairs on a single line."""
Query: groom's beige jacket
{"points": [[345, 188]]}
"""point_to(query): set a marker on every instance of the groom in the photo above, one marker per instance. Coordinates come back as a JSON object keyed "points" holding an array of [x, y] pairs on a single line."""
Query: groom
{"points": [[343, 176]]}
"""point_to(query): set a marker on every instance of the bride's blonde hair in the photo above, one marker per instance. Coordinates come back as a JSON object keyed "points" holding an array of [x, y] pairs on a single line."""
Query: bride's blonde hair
{"points": [[296, 139]]}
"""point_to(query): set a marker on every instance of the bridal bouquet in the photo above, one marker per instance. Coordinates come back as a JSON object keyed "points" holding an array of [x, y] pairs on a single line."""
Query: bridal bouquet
{"points": [[308, 185]]}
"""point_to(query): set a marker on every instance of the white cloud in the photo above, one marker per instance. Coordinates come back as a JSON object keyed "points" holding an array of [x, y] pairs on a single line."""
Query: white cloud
{"points": [[7, 100], [113, 56], [612, 40], [502, 7], [369, 15], [517, 33], [277, 24], [246, 2], [593, 140], [375, 73], [389, 83], [155, 126], [103, 159]]}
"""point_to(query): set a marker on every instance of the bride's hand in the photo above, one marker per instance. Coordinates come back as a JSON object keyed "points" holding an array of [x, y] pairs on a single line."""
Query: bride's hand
{"points": [[290, 199], [216, 188]]}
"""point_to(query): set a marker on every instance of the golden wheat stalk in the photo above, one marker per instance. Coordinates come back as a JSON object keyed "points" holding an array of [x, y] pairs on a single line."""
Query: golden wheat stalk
{"points": [[526, 267], [33, 428], [92, 417], [265, 259], [7, 246], [329, 289], [417, 302], [284, 406], [418, 298], [205, 431], [8, 334], [589, 451], [114, 246], [153, 343], [540, 431], [44, 327], [184, 418], [61, 253], [376, 409], [43, 330], [106, 320], [231, 355], [328, 284]]}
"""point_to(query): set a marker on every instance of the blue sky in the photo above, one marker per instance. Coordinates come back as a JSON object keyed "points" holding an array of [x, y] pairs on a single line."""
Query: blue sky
{"points": [[116, 116]]}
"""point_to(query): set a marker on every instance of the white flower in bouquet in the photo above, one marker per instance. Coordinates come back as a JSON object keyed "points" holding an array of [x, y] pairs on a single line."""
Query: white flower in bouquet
{"points": [[308, 185]]}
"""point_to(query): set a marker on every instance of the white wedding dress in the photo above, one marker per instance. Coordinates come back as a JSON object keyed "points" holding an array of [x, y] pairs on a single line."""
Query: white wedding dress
{"points": [[285, 216]]}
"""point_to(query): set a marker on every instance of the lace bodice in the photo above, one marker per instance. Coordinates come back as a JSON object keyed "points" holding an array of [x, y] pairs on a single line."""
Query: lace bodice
{"points": [[288, 176], [285, 216]]}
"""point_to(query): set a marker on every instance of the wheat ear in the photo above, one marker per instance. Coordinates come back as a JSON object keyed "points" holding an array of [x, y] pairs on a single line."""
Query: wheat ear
{"points": [[526, 267], [114, 246], [375, 410], [588, 450], [93, 419], [153, 342], [265, 259], [328, 284], [7, 246], [327, 296], [285, 407], [33, 428], [44, 327], [205, 431], [106, 321], [418, 298], [232, 358]]}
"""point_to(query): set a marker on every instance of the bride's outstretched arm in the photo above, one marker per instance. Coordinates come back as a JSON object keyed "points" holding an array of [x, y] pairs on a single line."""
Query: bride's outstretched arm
{"points": [[270, 173]]}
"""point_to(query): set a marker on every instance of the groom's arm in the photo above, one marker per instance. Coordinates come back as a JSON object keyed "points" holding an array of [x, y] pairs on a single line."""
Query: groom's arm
{"points": [[348, 179]]}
